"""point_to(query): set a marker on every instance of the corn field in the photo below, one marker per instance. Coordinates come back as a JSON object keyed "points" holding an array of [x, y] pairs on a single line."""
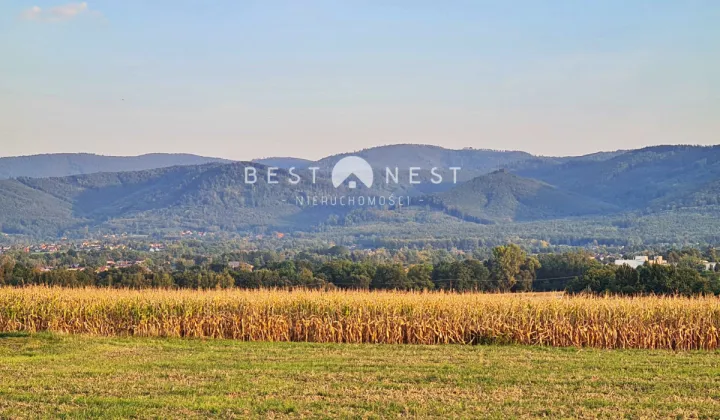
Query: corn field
{"points": [[369, 317]]}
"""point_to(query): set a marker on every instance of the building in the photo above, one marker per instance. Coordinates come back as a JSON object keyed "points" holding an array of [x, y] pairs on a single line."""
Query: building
{"points": [[659, 260], [640, 260], [237, 265]]}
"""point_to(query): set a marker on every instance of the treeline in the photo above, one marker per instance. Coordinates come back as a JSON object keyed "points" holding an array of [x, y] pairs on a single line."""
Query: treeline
{"points": [[647, 279], [506, 269]]}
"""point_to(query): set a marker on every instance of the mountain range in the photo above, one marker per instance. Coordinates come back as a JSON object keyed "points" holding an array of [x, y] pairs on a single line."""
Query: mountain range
{"points": [[66, 164], [161, 193]]}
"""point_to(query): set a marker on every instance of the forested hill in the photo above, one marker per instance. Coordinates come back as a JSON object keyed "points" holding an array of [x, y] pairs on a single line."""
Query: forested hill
{"points": [[505, 197], [662, 175], [427, 156], [66, 164], [204, 197], [612, 188]]}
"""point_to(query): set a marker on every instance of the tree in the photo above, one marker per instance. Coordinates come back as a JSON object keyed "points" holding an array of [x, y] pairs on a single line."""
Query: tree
{"points": [[687, 281], [527, 274], [479, 276], [711, 254], [163, 280], [443, 275], [7, 266], [627, 280], [560, 269], [306, 277], [420, 277], [358, 281], [224, 281], [390, 276], [338, 250], [596, 279], [655, 277], [505, 265]]}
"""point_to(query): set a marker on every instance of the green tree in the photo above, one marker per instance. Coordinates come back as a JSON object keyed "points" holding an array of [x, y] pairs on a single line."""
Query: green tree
{"points": [[420, 277], [390, 276], [479, 276], [306, 277], [527, 274], [596, 279], [7, 266], [505, 265], [627, 280], [560, 269]]}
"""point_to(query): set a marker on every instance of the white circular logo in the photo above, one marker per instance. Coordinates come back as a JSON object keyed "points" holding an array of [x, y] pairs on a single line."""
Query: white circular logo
{"points": [[352, 166]]}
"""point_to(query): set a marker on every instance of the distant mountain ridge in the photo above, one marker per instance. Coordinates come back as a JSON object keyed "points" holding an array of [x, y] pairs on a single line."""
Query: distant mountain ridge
{"points": [[67, 164], [473, 161], [636, 178], [428, 156], [285, 162], [213, 196]]}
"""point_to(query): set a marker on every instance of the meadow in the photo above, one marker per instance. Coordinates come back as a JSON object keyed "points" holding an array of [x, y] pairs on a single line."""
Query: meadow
{"points": [[74, 376], [546, 319]]}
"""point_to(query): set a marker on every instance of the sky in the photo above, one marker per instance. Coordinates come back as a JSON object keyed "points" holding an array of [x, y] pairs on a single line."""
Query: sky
{"points": [[248, 79]]}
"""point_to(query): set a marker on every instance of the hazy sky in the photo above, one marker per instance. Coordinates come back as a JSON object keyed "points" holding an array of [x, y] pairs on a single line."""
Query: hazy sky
{"points": [[244, 79]]}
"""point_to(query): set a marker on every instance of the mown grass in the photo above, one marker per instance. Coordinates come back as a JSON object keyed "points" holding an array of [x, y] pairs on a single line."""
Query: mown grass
{"points": [[73, 376]]}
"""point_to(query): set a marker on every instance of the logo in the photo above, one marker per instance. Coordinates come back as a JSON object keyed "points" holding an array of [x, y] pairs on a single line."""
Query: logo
{"points": [[352, 166], [348, 171]]}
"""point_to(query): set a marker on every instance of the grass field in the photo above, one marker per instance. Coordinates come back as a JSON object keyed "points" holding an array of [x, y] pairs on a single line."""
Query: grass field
{"points": [[675, 323], [46, 375]]}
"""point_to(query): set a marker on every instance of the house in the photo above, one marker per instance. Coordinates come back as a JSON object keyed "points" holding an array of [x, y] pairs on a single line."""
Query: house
{"points": [[640, 260], [634, 263], [238, 265], [659, 260], [157, 247]]}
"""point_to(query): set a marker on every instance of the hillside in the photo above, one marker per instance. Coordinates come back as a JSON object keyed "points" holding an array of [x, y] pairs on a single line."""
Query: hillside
{"points": [[636, 178], [426, 156], [24, 210], [66, 164], [640, 190], [474, 162], [211, 197], [202, 196], [505, 197], [704, 195]]}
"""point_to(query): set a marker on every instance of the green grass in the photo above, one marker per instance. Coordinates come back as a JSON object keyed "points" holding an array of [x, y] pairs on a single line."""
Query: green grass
{"points": [[76, 376]]}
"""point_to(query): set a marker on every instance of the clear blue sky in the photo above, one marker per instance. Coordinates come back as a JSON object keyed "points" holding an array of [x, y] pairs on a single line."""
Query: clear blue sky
{"points": [[241, 79]]}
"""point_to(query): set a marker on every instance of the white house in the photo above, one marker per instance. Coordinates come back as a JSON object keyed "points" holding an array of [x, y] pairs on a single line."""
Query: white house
{"points": [[634, 263]]}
